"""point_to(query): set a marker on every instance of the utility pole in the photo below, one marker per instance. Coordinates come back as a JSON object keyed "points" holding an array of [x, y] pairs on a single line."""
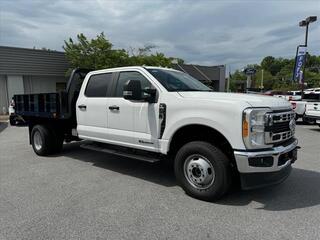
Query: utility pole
{"points": [[229, 78], [262, 87]]}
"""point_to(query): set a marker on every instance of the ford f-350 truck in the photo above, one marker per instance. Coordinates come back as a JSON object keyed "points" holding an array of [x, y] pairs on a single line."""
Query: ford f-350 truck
{"points": [[154, 114], [313, 112]]}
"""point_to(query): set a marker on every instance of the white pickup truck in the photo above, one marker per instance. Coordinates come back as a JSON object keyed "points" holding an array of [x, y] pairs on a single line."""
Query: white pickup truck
{"points": [[310, 100], [313, 112], [152, 113]]}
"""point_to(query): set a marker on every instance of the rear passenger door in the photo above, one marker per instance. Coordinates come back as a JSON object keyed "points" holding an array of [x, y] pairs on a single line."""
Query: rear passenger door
{"points": [[92, 112]]}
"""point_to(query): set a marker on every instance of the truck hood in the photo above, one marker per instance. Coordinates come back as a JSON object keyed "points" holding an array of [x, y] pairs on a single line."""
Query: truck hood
{"points": [[251, 99]]}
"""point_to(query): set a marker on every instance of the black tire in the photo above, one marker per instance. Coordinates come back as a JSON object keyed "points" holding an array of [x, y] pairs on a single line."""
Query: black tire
{"points": [[58, 141], [12, 122], [219, 162], [48, 144]]}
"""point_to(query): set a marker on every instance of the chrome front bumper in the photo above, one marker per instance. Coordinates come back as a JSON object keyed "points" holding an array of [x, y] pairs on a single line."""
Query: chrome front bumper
{"points": [[242, 159]]}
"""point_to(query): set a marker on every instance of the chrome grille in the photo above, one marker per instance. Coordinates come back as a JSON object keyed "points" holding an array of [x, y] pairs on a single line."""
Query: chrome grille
{"points": [[282, 117], [280, 127]]}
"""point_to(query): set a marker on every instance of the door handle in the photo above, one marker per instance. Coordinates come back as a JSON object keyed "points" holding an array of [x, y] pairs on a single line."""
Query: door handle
{"points": [[114, 107], [82, 107]]}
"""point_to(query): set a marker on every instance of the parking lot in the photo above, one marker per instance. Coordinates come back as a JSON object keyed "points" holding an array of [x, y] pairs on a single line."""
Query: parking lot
{"points": [[80, 194]]}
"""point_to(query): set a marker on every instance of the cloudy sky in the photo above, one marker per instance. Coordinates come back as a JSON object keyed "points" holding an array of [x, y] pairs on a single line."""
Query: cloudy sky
{"points": [[202, 32]]}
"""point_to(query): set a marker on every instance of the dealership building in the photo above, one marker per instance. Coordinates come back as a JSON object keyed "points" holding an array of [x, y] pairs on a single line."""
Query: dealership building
{"points": [[25, 70]]}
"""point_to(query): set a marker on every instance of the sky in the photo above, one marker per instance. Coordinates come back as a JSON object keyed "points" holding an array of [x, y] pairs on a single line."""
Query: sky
{"points": [[204, 32]]}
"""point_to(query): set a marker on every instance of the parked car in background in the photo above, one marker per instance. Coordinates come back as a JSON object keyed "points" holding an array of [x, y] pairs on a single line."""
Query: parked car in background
{"points": [[312, 90], [299, 107], [288, 95], [298, 104], [14, 119], [294, 95], [11, 107], [312, 113], [291, 95]]}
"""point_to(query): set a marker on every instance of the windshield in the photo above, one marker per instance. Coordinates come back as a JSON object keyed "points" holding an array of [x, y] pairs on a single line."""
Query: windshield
{"points": [[177, 81]]}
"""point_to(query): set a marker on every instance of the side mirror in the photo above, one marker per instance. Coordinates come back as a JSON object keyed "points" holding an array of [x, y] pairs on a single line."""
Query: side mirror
{"points": [[132, 90], [152, 95]]}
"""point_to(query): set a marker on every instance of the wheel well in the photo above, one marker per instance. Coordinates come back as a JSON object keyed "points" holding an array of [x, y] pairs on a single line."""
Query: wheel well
{"points": [[196, 132], [57, 128]]}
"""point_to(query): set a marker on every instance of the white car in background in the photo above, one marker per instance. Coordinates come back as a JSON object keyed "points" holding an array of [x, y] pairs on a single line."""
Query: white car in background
{"points": [[294, 95], [299, 107], [13, 118], [312, 113], [312, 90], [11, 107], [290, 95]]}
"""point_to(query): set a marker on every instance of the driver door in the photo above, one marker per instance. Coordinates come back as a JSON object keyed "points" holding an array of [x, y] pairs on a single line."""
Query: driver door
{"points": [[132, 123]]}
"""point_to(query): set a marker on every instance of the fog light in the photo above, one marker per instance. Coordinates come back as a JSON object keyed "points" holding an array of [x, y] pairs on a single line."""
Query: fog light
{"points": [[261, 161]]}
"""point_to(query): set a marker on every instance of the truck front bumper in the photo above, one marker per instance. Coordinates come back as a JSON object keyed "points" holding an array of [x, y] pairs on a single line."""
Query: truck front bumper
{"points": [[267, 167]]}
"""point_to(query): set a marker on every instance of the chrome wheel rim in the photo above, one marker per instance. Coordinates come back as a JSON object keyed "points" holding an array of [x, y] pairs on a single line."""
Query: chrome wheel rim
{"points": [[199, 172], [37, 140]]}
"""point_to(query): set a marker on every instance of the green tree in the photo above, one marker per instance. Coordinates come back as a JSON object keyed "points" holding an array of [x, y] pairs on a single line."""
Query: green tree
{"points": [[268, 79], [267, 62], [98, 53], [312, 78], [95, 53], [237, 79]]}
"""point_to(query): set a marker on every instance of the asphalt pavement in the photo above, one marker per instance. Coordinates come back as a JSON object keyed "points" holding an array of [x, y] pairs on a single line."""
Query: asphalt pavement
{"points": [[80, 194]]}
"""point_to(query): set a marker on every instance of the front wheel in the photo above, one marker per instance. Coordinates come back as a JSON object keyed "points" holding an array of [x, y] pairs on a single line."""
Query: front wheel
{"points": [[203, 170]]}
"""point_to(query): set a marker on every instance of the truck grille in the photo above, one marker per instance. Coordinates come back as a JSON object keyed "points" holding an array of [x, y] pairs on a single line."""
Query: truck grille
{"points": [[280, 127]]}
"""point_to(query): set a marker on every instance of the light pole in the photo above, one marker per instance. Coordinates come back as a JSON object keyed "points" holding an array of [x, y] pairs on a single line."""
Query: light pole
{"points": [[305, 23]]}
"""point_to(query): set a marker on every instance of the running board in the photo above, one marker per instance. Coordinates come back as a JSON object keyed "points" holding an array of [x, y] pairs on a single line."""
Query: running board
{"points": [[122, 151]]}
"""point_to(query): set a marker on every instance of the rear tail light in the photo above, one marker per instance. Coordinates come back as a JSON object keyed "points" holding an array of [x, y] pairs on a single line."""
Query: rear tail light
{"points": [[294, 105]]}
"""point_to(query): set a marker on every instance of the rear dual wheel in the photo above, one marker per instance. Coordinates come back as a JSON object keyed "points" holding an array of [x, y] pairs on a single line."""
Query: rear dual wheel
{"points": [[45, 141], [203, 170]]}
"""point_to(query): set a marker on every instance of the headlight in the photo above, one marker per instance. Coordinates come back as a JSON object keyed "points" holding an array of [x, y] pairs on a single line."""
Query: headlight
{"points": [[253, 123]]}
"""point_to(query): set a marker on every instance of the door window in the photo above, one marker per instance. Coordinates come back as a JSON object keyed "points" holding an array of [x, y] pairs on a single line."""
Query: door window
{"points": [[98, 85], [125, 76]]}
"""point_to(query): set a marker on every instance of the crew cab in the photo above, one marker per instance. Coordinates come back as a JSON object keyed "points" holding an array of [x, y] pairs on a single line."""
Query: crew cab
{"points": [[154, 114]]}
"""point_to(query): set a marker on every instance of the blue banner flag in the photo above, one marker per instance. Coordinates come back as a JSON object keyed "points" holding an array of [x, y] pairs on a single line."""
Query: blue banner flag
{"points": [[300, 61]]}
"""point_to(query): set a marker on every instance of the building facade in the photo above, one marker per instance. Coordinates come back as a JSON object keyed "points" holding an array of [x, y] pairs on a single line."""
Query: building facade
{"points": [[213, 76], [26, 71]]}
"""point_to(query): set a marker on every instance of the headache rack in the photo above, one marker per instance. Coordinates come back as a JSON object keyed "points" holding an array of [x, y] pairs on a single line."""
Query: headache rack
{"points": [[57, 105]]}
